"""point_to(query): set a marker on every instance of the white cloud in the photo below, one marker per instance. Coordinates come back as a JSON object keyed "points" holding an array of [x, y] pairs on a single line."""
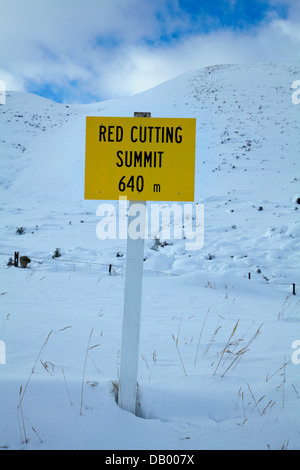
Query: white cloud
{"points": [[11, 81], [149, 67], [111, 48], [61, 39]]}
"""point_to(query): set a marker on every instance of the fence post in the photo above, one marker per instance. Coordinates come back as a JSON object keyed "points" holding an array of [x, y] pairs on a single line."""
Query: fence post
{"points": [[16, 260]]}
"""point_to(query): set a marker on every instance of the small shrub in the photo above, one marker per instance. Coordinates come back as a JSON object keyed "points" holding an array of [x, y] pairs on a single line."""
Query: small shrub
{"points": [[24, 261], [57, 253]]}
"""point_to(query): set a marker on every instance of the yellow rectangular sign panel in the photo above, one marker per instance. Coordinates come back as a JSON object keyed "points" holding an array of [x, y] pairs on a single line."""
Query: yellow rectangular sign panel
{"points": [[142, 159]]}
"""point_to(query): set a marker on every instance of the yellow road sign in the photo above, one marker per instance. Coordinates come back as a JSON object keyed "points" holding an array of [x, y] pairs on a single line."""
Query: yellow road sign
{"points": [[141, 159]]}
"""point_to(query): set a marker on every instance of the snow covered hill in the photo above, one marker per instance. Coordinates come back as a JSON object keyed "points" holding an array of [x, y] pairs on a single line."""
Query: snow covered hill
{"points": [[248, 178], [247, 169]]}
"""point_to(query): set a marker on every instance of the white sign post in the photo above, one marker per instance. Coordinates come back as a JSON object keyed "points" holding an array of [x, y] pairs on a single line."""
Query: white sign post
{"points": [[132, 305], [132, 309]]}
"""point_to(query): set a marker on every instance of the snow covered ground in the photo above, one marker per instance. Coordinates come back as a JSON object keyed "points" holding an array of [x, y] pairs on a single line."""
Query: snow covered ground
{"points": [[217, 365]]}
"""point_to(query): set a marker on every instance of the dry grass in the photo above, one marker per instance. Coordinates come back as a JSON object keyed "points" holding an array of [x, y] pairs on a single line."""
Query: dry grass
{"points": [[241, 352], [200, 336], [84, 369], [177, 347], [232, 353], [228, 344], [212, 340], [180, 357], [33, 369]]}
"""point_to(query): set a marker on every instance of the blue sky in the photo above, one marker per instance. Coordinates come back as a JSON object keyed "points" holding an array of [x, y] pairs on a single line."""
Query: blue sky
{"points": [[86, 51]]}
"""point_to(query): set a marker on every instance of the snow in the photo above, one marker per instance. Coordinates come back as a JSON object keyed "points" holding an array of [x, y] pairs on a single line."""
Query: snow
{"points": [[195, 391]]}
